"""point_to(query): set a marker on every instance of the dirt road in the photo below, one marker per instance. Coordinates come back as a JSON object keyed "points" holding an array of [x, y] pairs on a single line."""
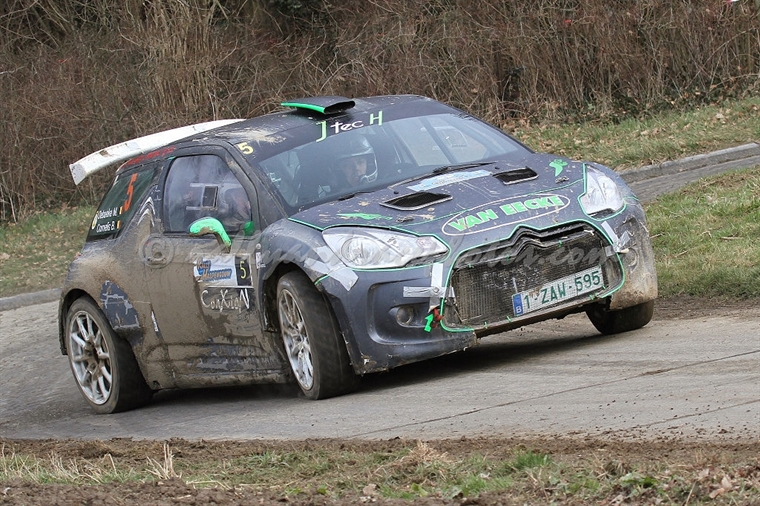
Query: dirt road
{"points": [[693, 375]]}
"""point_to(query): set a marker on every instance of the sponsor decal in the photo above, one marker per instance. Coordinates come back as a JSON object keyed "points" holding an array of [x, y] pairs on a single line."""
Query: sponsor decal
{"points": [[364, 216], [558, 165], [223, 270], [159, 153], [445, 179], [502, 213], [337, 127], [226, 300]]}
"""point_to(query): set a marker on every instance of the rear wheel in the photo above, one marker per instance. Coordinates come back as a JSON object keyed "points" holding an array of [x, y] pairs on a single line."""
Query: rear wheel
{"points": [[103, 364], [622, 320], [313, 342]]}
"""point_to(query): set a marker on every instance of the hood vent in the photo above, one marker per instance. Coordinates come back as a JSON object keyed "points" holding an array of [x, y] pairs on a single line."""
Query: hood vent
{"points": [[516, 175], [415, 201]]}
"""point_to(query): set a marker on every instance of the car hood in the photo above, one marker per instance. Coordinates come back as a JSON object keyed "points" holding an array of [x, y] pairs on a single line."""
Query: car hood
{"points": [[488, 201]]}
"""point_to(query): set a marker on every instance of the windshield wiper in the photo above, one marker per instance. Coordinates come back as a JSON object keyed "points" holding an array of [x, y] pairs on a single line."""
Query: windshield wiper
{"points": [[352, 195], [450, 168]]}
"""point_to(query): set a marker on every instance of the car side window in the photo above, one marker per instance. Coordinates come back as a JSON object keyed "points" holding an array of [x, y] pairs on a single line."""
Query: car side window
{"points": [[120, 203], [203, 186]]}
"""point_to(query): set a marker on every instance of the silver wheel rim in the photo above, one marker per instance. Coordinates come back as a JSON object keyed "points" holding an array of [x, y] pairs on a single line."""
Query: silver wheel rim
{"points": [[296, 339], [90, 358]]}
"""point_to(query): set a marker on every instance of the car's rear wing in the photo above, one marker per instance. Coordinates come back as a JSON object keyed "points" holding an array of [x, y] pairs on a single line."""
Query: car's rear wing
{"points": [[128, 149]]}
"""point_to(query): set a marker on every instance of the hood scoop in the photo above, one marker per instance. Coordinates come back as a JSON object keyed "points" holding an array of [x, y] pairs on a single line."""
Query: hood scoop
{"points": [[414, 201], [516, 175]]}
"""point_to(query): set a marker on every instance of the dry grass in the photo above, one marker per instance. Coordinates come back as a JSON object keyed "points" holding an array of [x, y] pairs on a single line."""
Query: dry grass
{"points": [[78, 75], [498, 471]]}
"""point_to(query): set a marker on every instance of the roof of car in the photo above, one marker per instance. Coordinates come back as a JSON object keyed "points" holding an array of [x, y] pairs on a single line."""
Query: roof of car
{"points": [[301, 112]]}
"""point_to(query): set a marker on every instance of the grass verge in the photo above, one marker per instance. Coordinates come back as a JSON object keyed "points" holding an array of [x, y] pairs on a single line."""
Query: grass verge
{"points": [[706, 237], [638, 142], [35, 254], [507, 472]]}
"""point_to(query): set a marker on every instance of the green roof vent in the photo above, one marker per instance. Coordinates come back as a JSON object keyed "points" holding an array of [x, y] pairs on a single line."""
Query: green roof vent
{"points": [[322, 105]]}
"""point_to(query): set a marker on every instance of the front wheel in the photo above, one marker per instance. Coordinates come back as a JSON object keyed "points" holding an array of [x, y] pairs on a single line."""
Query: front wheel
{"points": [[313, 343], [104, 366], [622, 320]]}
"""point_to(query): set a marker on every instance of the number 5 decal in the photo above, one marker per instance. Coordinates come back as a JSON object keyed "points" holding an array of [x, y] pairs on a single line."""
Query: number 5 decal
{"points": [[245, 148], [243, 271], [130, 192]]}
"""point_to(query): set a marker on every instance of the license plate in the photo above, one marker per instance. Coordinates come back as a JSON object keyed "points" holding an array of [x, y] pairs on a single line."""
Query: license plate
{"points": [[555, 292]]}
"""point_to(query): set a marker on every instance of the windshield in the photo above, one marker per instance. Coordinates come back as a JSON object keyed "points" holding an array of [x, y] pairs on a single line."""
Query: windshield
{"points": [[381, 154]]}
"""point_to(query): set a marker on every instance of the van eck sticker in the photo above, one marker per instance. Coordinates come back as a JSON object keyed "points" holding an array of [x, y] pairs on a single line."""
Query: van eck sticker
{"points": [[364, 216], [558, 165], [225, 270], [444, 179], [339, 126], [505, 214]]}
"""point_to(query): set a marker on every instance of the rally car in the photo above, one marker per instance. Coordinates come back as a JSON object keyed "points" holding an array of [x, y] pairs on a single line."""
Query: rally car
{"points": [[335, 238]]}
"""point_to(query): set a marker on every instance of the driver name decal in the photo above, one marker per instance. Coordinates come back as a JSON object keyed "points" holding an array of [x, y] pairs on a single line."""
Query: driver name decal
{"points": [[499, 214]]}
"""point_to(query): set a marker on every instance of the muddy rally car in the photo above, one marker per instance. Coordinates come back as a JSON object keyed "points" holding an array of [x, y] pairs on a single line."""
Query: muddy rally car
{"points": [[336, 238]]}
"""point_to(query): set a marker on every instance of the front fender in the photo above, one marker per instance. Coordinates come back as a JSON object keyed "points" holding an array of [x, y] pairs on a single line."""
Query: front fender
{"points": [[304, 247]]}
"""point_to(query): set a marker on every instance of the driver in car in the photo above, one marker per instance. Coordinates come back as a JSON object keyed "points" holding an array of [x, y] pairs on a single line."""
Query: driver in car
{"points": [[239, 208], [356, 163]]}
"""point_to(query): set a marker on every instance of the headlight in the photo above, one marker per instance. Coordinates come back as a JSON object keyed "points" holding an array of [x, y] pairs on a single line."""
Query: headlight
{"points": [[367, 248], [602, 193]]}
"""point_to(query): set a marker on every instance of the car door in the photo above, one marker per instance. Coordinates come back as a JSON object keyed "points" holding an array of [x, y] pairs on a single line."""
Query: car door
{"points": [[203, 290]]}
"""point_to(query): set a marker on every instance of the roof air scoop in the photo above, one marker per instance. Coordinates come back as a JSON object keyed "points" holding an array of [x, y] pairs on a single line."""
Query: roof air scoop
{"points": [[415, 201], [516, 175], [323, 105]]}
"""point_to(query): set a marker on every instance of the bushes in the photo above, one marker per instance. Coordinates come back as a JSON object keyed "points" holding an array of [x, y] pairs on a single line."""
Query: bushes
{"points": [[78, 75]]}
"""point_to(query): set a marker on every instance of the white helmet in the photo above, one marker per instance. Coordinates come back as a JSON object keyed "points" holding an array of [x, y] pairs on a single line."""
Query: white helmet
{"points": [[348, 147]]}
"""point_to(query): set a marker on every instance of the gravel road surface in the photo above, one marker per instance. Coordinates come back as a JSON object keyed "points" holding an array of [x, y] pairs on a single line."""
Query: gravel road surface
{"points": [[697, 376]]}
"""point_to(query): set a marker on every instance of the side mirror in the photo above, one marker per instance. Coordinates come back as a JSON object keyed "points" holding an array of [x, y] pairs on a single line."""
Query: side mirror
{"points": [[204, 226], [248, 228]]}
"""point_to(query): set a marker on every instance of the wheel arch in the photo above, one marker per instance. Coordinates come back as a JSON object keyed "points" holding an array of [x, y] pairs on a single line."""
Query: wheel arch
{"points": [[269, 293], [269, 306], [66, 301], [121, 324]]}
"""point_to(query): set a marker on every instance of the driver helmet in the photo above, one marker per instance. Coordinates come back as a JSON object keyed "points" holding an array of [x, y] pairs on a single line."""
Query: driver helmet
{"points": [[355, 160]]}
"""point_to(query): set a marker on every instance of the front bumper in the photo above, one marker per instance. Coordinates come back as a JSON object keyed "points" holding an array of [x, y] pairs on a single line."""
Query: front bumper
{"points": [[399, 316]]}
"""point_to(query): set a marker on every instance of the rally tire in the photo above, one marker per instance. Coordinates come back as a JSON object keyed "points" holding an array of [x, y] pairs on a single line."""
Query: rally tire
{"points": [[312, 339], [630, 318], [103, 364]]}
